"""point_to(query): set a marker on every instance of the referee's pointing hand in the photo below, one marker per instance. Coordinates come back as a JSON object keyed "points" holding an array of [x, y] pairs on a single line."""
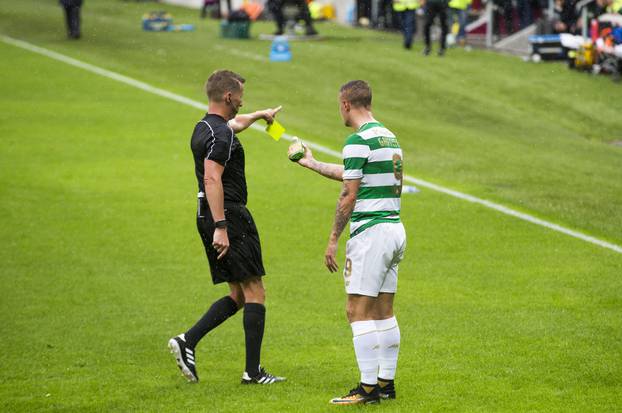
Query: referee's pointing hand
{"points": [[221, 242], [269, 114]]}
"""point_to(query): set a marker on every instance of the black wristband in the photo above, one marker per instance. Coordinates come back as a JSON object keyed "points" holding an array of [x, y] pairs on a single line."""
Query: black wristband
{"points": [[221, 224]]}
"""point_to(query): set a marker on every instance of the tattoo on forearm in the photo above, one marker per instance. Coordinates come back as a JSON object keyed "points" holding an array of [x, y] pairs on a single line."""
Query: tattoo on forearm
{"points": [[324, 169], [343, 213], [329, 170]]}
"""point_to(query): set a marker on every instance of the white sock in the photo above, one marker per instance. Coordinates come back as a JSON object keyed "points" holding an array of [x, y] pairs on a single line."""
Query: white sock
{"points": [[389, 338], [366, 348]]}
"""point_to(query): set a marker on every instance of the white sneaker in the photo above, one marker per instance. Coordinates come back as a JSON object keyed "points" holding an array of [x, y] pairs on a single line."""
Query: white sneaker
{"points": [[184, 356]]}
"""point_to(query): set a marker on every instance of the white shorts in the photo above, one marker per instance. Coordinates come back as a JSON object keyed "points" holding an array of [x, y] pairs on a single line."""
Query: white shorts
{"points": [[372, 258]]}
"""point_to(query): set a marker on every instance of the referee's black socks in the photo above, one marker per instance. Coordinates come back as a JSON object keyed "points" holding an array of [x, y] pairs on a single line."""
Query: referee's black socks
{"points": [[254, 321], [215, 316]]}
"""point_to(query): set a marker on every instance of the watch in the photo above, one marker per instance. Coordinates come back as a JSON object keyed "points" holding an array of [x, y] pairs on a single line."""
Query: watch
{"points": [[221, 224]]}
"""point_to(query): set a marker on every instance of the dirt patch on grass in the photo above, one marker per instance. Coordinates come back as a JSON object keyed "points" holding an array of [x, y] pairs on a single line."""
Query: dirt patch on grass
{"points": [[617, 143]]}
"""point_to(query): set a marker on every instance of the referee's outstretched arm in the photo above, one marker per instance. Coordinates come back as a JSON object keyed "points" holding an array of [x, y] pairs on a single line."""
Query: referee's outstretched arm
{"points": [[241, 122]]}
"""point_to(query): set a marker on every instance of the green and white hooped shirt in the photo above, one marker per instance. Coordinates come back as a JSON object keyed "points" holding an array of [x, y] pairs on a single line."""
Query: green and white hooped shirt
{"points": [[373, 155]]}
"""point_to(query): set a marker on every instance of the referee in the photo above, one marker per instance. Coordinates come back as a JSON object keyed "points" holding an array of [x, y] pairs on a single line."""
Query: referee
{"points": [[226, 227]]}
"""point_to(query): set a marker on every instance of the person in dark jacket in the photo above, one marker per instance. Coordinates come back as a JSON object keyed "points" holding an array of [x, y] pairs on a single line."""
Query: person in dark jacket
{"points": [[276, 8], [72, 17], [565, 16], [216, 5], [435, 8]]}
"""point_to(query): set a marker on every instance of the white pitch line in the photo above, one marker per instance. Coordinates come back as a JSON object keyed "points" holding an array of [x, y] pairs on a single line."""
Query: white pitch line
{"points": [[241, 53], [198, 105]]}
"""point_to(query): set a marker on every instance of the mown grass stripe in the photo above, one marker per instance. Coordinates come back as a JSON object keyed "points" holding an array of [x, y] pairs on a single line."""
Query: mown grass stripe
{"points": [[193, 103]]}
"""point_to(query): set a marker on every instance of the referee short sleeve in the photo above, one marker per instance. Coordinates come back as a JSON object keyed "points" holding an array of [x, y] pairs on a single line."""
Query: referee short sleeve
{"points": [[218, 146]]}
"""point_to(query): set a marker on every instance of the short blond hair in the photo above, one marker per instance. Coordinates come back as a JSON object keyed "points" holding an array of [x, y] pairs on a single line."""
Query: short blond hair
{"points": [[221, 82], [357, 93]]}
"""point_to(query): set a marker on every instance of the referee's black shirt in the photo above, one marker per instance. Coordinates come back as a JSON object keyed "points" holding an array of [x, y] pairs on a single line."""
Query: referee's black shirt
{"points": [[213, 139]]}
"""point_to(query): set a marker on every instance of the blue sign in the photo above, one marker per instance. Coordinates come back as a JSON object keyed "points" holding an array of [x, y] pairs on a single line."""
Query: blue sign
{"points": [[280, 51]]}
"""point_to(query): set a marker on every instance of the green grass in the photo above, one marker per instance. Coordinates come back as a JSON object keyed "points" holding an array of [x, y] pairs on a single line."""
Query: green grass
{"points": [[533, 136], [101, 263]]}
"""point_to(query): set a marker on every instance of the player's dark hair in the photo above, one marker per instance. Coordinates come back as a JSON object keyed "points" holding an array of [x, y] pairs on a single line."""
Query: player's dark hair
{"points": [[221, 82], [357, 92]]}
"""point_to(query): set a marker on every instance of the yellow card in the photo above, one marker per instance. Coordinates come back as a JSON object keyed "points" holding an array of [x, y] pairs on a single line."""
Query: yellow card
{"points": [[275, 130]]}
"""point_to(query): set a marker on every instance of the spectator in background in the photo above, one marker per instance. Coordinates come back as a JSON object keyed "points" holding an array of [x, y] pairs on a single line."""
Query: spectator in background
{"points": [[435, 8], [460, 9], [363, 10], [602, 7], [565, 16], [72, 17], [503, 8], [377, 13], [216, 5], [525, 13], [276, 8], [594, 10], [406, 12]]}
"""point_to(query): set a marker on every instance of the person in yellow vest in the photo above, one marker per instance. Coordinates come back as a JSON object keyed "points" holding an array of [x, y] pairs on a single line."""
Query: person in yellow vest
{"points": [[406, 12], [460, 9], [616, 7]]}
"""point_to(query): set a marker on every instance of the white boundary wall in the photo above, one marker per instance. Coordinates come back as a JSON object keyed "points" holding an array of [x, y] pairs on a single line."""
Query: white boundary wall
{"points": [[194, 4], [341, 6]]}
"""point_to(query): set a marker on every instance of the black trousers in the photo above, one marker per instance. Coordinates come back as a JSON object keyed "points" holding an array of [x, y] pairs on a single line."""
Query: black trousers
{"points": [[504, 8], [433, 9], [219, 12], [276, 8], [72, 19]]}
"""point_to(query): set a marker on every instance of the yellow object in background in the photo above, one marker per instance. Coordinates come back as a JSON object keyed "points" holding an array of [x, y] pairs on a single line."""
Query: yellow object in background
{"points": [[585, 56], [329, 12], [321, 11], [460, 4], [315, 9], [276, 130], [455, 28]]}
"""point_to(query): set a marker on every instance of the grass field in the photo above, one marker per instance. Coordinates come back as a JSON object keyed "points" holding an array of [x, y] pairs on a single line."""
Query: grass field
{"points": [[101, 263]]}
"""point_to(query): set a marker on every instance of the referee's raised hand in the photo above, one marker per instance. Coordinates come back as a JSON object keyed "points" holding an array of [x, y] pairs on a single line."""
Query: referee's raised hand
{"points": [[269, 114], [221, 242]]}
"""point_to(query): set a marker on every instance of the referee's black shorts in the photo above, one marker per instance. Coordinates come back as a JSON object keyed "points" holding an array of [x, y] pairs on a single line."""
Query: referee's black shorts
{"points": [[243, 260]]}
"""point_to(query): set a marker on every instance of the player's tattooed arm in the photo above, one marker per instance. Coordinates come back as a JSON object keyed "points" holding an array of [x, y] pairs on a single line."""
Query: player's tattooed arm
{"points": [[345, 206], [343, 212], [329, 170]]}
